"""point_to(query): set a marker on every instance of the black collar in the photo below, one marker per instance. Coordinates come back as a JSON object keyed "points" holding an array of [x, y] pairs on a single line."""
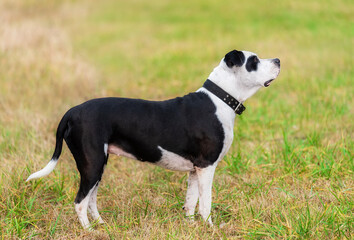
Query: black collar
{"points": [[224, 96]]}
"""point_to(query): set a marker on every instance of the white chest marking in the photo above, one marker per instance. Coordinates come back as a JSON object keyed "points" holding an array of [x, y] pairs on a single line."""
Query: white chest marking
{"points": [[226, 117], [172, 161]]}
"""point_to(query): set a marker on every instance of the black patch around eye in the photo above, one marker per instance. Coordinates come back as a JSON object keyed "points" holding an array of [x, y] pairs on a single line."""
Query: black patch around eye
{"points": [[252, 63]]}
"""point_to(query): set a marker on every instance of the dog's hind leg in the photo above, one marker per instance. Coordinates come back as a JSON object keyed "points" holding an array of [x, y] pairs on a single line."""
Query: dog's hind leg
{"points": [[92, 205], [91, 174], [90, 160], [192, 194], [81, 209]]}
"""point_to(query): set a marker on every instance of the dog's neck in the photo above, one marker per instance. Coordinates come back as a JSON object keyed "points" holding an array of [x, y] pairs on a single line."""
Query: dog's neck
{"points": [[231, 84], [224, 96]]}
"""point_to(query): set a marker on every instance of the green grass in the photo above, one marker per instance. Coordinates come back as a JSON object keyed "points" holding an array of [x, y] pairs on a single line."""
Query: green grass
{"points": [[289, 172]]}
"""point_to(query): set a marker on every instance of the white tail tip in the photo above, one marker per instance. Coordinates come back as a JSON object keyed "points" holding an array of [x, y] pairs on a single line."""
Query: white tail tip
{"points": [[45, 171]]}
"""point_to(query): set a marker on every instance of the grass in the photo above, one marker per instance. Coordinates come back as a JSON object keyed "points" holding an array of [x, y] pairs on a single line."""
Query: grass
{"points": [[289, 172]]}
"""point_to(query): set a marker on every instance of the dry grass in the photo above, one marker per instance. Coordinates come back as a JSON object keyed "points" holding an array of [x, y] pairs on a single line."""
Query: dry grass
{"points": [[289, 174]]}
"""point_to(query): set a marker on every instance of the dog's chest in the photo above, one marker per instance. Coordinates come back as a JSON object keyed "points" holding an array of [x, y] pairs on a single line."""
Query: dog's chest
{"points": [[226, 117], [227, 125]]}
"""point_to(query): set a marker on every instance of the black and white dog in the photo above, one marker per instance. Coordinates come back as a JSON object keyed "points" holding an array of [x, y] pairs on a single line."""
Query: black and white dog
{"points": [[191, 133]]}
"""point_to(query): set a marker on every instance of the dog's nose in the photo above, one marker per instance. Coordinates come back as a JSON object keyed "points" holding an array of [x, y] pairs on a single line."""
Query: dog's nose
{"points": [[276, 61]]}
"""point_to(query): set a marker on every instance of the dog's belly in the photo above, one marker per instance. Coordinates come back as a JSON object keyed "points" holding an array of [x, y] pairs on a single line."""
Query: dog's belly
{"points": [[172, 161], [112, 149], [168, 160]]}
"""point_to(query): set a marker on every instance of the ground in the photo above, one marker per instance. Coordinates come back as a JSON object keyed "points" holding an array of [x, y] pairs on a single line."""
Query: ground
{"points": [[289, 172]]}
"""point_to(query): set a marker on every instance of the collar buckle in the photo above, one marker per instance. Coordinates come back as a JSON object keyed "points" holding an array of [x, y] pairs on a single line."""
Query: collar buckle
{"points": [[236, 109]]}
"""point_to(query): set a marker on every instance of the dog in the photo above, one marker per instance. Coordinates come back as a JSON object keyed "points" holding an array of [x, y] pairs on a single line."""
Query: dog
{"points": [[190, 133]]}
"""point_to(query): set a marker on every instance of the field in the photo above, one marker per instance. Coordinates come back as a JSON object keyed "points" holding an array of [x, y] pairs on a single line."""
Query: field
{"points": [[289, 172]]}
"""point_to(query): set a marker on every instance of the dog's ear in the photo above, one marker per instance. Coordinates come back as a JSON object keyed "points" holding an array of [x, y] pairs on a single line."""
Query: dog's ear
{"points": [[234, 58]]}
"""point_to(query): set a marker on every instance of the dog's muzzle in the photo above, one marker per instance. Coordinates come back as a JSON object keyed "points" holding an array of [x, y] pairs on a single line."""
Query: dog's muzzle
{"points": [[267, 83], [276, 62]]}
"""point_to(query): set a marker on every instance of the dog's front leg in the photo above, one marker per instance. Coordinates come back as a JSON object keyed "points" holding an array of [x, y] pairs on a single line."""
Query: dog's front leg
{"points": [[192, 195], [205, 181]]}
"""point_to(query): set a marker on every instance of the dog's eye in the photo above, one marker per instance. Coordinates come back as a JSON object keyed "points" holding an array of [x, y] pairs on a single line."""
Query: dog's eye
{"points": [[252, 63]]}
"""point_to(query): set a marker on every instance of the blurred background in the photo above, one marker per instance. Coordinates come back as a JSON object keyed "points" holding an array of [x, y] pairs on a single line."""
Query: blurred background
{"points": [[56, 54]]}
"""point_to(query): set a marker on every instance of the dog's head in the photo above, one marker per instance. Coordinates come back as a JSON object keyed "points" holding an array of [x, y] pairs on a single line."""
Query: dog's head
{"points": [[252, 70], [242, 73]]}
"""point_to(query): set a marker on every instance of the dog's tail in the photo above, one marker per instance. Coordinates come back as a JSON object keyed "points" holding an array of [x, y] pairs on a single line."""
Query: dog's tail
{"points": [[61, 131]]}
